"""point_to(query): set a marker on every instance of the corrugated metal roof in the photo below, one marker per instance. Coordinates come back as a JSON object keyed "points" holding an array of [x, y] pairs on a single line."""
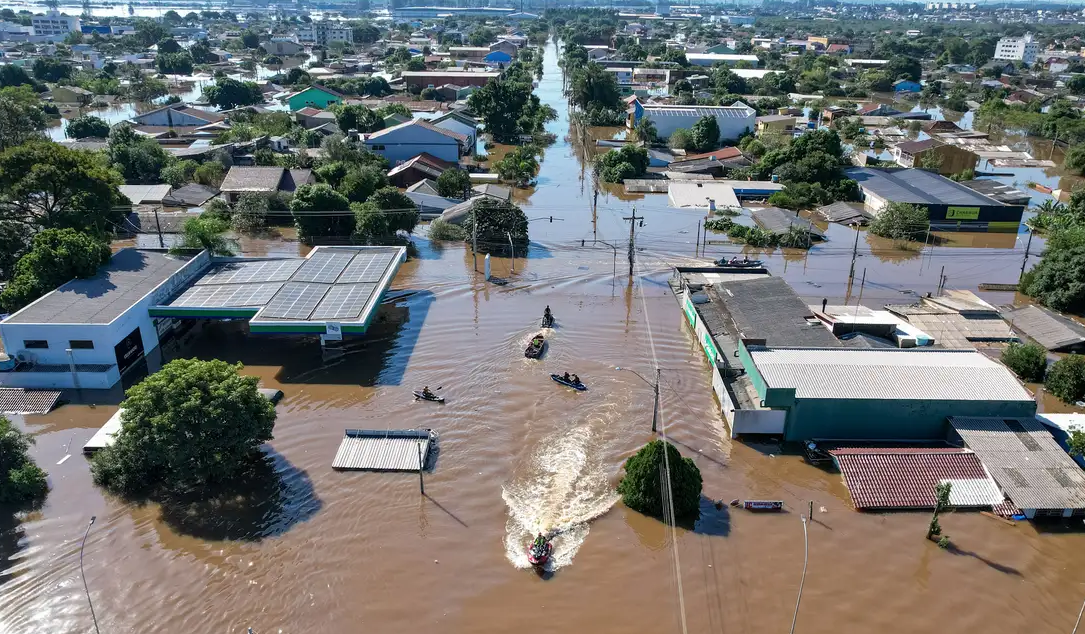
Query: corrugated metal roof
{"points": [[20, 401], [917, 187], [1051, 331], [949, 375], [779, 221], [1025, 460], [741, 112], [905, 477], [384, 450]]}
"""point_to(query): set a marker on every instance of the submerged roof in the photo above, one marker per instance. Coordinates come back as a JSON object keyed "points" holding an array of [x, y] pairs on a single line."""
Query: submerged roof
{"points": [[1025, 460], [1051, 331], [768, 308], [947, 375]]}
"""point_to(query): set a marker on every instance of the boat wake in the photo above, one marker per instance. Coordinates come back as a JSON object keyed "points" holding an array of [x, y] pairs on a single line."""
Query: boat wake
{"points": [[566, 485]]}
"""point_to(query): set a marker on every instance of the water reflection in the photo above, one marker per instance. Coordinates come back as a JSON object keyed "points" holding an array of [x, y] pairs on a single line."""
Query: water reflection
{"points": [[268, 500]]}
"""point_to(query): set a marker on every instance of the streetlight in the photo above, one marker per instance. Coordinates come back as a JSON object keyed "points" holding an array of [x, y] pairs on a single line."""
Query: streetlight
{"points": [[81, 574], [655, 388]]}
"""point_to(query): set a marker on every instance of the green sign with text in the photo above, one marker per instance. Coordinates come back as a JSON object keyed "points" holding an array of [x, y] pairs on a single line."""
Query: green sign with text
{"points": [[963, 213]]}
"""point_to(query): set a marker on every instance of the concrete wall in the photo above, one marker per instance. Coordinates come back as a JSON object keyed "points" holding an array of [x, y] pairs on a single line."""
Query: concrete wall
{"points": [[730, 127], [855, 419]]}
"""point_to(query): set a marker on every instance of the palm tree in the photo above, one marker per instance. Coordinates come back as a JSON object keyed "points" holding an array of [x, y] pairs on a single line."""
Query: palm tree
{"points": [[1050, 206], [645, 131]]}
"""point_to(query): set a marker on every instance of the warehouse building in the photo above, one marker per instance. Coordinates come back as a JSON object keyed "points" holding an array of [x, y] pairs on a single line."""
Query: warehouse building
{"points": [[878, 394], [90, 332], [952, 206], [734, 121]]}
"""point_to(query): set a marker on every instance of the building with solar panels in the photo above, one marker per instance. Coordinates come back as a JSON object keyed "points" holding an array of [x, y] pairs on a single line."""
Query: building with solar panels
{"points": [[734, 121], [951, 205], [90, 332]]}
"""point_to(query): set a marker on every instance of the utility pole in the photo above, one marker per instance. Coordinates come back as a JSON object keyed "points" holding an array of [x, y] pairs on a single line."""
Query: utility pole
{"points": [[655, 407], [854, 253], [512, 252], [474, 240], [697, 245], [158, 225], [1024, 262], [421, 465], [941, 279], [632, 236]]}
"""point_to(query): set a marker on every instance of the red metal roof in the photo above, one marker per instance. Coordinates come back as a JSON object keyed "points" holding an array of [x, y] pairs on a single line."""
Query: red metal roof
{"points": [[903, 477]]}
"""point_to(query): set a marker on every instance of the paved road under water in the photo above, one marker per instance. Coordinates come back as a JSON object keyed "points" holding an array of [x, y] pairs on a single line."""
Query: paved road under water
{"points": [[314, 550]]}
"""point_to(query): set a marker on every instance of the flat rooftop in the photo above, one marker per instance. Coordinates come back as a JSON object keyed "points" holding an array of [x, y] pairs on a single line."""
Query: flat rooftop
{"points": [[128, 276], [332, 284], [910, 375], [917, 187], [767, 308]]}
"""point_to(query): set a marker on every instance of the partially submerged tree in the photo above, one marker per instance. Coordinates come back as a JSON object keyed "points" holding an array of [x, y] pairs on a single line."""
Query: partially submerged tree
{"points": [[941, 503], [901, 221], [192, 424], [519, 166], [321, 212], [497, 221], [205, 233], [1066, 378], [1028, 361], [641, 486], [21, 481], [1058, 280], [454, 183]]}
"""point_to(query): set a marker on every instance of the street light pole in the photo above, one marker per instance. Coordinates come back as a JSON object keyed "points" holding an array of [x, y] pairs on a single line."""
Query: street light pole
{"points": [[84, 576], [655, 406]]}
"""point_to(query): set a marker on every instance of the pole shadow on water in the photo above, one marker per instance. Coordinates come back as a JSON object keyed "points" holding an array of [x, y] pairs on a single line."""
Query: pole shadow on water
{"points": [[379, 357], [1009, 570], [268, 501], [430, 498]]}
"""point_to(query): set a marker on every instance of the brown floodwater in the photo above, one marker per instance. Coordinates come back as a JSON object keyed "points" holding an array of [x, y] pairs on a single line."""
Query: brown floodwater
{"points": [[314, 550]]}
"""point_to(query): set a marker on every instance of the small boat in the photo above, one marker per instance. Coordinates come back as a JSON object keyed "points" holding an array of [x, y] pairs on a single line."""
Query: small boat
{"points": [[763, 505], [548, 320], [739, 264], [433, 397], [535, 348], [539, 556], [576, 386]]}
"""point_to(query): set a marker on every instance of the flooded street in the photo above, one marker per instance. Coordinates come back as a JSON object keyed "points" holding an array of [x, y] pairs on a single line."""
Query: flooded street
{"points": [[324, 551]]}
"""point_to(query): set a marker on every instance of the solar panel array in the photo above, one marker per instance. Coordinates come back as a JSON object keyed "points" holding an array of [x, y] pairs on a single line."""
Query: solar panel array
{"points": [[334, 284], [252, 272], [344, 302], [228, 295], [324, 266]]}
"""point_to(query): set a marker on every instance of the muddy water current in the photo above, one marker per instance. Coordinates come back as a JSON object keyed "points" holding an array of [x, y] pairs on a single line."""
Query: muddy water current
{"points": [[315, 550]]}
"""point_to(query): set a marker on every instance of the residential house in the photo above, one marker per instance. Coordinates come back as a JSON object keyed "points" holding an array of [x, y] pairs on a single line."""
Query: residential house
{"points": [[452, 92], [711, 59], [395, 119], [54, 25], [418, 168], [646, 76], [283, 46], [950, 159], [834, 113], [505, 46], [498, 58], [410, 139], [459, 123], [907, 85], [263, 180], [71, 94], [325, 33], [314, 96], [419, 80], [494, 191], [476, 53], [734, 120], [597, 52], [877, 110], [624, 76], [839, 49], [997, 67], [775, 123], [934, 127], [310, 117]]}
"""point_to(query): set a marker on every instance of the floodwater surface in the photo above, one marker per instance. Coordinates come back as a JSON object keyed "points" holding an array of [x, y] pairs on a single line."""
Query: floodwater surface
{"points": [[314, 550]]}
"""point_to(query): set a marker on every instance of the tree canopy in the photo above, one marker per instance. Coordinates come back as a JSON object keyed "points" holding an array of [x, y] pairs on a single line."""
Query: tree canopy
{"points": [[497, 220], [901, 221], [508, 107], [617, 165], [21, 481], [454, 183], [357, 117], [230, 93], [205, 232], [1066, 378], [519, 166], [640, 486], [706, 134], [45, 185], [1027, 360], [321, 212], [87, 126], [55, 257], [592, 86], [191, 424], [21, 116], [138, 158], [1058, 280]]}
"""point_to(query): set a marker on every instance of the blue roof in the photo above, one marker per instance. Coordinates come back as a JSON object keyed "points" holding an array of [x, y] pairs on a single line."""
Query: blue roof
{"points": [[498, 56]]}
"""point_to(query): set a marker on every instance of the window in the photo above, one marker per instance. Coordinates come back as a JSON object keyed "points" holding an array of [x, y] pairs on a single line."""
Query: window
{"points": [[31, 344], [81, 344]]}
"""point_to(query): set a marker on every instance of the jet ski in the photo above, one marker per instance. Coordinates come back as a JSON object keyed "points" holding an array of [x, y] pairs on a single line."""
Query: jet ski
{"points": [[431, 397], [539, 555], [548, 320]]}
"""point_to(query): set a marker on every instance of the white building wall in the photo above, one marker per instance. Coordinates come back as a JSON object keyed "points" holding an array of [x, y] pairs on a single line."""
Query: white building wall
{"points": [[1018, 49], [730, 127], [104, 336], [53, 24]]}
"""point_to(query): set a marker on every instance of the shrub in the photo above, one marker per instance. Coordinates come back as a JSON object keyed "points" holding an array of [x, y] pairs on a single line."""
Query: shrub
{"points": [[1066, 378], [250, 213], [901, 221], [454, 183], [496, 220], [617, 165], [443, 230], [1058, 280], [640, 487], [681, 139], [317, 213], [1028, 361], [21, 480]]}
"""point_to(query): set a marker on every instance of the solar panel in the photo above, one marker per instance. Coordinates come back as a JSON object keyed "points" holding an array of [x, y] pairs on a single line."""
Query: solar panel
{"points": [[295, 301], [345, 301], [366, 267], [252, 272], [228, 295], [324, 266]]}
